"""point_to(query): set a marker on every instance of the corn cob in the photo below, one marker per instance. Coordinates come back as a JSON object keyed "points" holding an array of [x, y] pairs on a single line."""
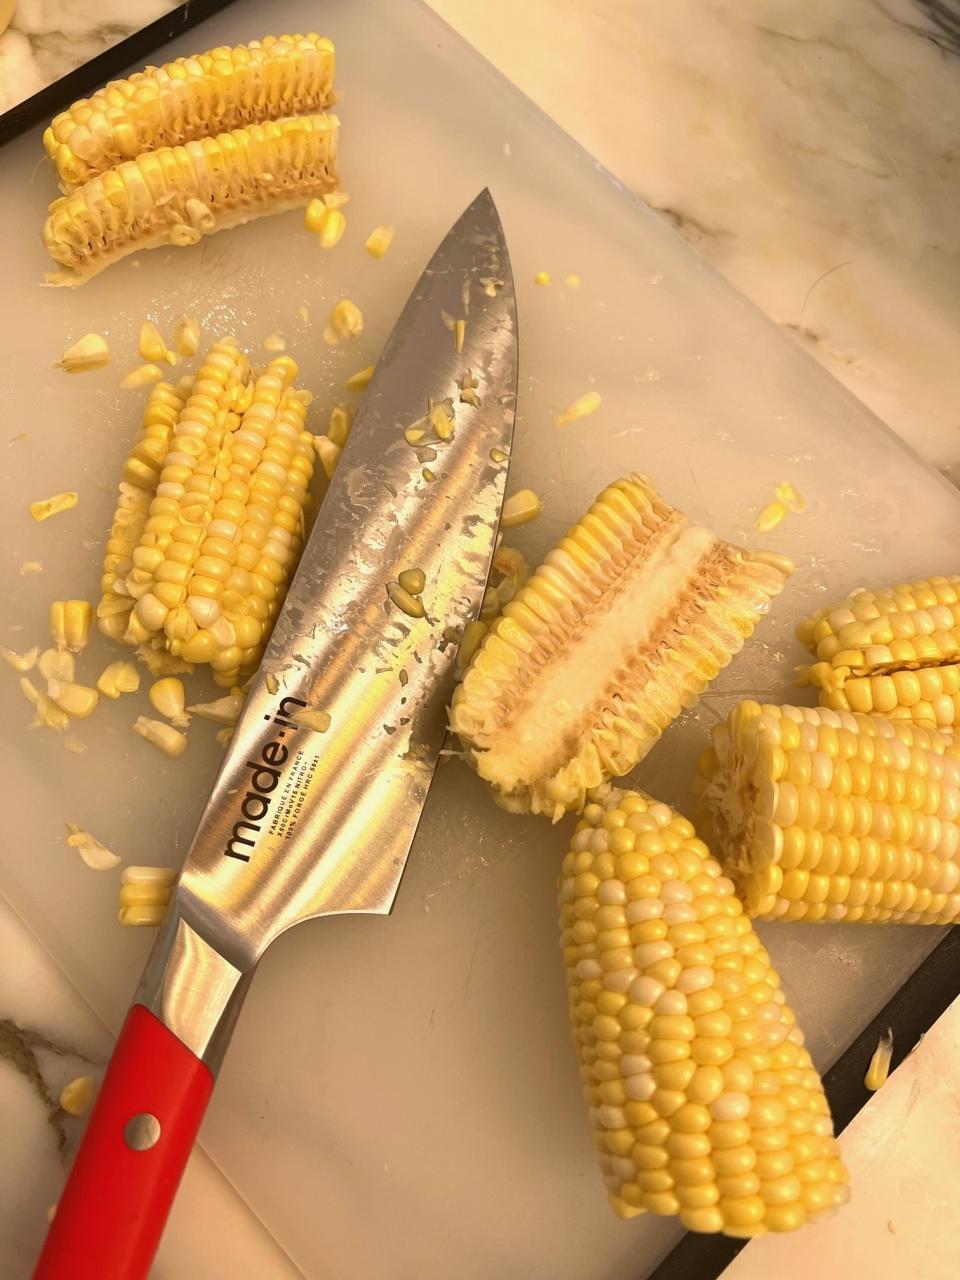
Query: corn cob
{"points": [[175, 195], [832, 815], [191, 98], [895, 651], [704, 1102], [625, 622], [216, 525]]}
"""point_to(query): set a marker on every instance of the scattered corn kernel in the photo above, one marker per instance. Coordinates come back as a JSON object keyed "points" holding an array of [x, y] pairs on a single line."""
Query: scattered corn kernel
{"points": [[77, 1095], [332, 228], [520, 508], [168, 697], [314, 215], [497, 455], [70, 622], [118, 678], [345, 323], [468, 389], [272, 683], [311, 718], [30, 566], [145, 894], [303, 311], [412, 580], [225, 710], [379, 240], [572, 281], [771, 515], [459, 333], [428, 475], [152, 346], [790, 498], [580, 408], [96, 855], [21, 662], [77, 700], [879, 1068], [224, 736], [274, 343], [46, 712], [141, 377], [186, 337], [164, 736], [360, 380], [57, 664], [414, 435], [74, 744], [442, 421], [542, 277], [328, 453], [340, 424], [44, 508], [409, 604], [91, 352]]}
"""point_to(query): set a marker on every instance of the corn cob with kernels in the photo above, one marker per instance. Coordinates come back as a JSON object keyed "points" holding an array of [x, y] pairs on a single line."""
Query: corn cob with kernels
{"points": [[894, 651], [175, 195], [191, 98], [624, 624], [704, 1102], [824, 815]]}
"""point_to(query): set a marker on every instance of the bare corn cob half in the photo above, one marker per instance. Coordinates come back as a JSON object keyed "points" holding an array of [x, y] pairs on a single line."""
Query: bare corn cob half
{"points": [[225, 487], [626, 622], [189, 99], [704, 1102], [175, 195], [895, 651], [833, 815]]}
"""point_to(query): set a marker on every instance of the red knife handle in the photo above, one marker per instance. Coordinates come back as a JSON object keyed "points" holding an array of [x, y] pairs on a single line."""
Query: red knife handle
{"points": [[113, 1209]]}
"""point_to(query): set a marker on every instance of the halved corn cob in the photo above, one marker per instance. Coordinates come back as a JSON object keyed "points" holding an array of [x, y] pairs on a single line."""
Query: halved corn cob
{"points": [[225, 487], [704, 1102], [624, 624], [175, 195], [832, 815], [895, 651], [191, 98]]}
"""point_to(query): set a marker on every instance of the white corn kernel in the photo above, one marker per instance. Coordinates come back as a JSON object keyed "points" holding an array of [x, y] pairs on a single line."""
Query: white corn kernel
{"points": [[168, 697], [118, 678], [21, 662], [379, 240], [76, 1096], [520, 508], [164, 736], [225, 710], [580, 408], [91, 352], [346, 322], [186, 337], [44, 508], [141, 377], [96, 855], [360, 380], [328, 453]]}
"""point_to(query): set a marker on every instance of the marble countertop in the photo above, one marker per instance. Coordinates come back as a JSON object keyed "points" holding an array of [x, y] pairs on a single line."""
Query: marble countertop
{"points": [[809, 152]]}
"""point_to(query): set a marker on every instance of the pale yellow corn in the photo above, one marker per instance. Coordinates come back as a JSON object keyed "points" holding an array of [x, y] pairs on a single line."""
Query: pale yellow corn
{"points": [[332, 227], [704, 1102], [74, 744], [412, 580], [21, 662], [163, 736], [141, 377], [580, 408], [340, 424], [625, 623], [90, 352], [542, 278], [773, 513], [77, 700], [118, 678], [70, 622], [345, 323], [459, 334], [314, 215], [151, 345], [186, 337], [414, 435], [30, 566], [94, 854], [473, 634], [274, 343], [442, 421], [789, 496], [831, 815], [57, 664], [77, 1095], [160, 662], [167, 696], [468, 389], [520, 508], [572, 281], [360, 380], [145, 894], [328, 453], [46, 712], [410, 604], [224, 736], [879, 1068], [311, 718], [379, 240], [44, 508], [191, 98], [224, 711]]}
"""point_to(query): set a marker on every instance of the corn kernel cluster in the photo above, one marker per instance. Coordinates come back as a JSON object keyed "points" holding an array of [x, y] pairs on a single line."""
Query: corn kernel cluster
{"points": [[827, 815], [704, 1102]]}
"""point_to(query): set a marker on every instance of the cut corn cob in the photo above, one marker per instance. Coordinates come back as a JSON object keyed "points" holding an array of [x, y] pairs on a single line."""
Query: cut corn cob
{"points": [[177, 194], [191, 98], [704, 1102], [831, 815], [216, 518], [896, 651], [626, 621]]}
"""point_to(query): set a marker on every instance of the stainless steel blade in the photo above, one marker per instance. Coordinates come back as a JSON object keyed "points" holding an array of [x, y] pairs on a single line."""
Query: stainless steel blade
{"points": [[303, 823]]}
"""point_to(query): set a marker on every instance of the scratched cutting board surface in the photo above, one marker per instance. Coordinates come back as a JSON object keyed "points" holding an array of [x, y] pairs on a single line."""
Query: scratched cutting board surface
{"points": [[402, 1097]]}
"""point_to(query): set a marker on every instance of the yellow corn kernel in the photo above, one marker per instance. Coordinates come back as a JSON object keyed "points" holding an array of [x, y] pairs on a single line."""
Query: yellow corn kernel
{"points": [[151, 344], [57, 664], [311, 718], [520, 508], [412, 580], [332, 227], [142, 914], [695, 1073], [118, 678], [473, 634], [345, 323], [572, 281], [168, 697], [459, 334], [141, 377], [378, 242], [77, 700], [145, 894], [591, 617], [186, 337], [30, 566], [74, 744], [314, 215], [328, 454], [338, 428], [77, 1095], [274, 343], [224, 711], [542, 277], [428, 475], [94, 854], [790, 498], [580, 408], [414, 435], [44, 508], [90, 352], [164, 736], [70, 622], [46, 712], [360, 380], [879, 1068], [772, 514], [442, 421], [409, 604], [22, 662], [846, 816]]}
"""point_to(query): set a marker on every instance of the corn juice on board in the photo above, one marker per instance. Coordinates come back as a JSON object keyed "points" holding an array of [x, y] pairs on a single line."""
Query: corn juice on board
{"points": [[403, 1095]]}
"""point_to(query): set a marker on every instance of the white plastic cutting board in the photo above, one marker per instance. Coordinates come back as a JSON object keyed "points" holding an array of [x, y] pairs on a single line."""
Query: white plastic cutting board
{"points": [[402, 1097]]}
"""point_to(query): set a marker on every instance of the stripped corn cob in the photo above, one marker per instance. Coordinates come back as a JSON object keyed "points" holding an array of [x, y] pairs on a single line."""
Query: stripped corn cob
{"points": [[895, 651], [188, 99], [626, 621], [177, 194], [830, 815], [216, 508], [704, 1102]]}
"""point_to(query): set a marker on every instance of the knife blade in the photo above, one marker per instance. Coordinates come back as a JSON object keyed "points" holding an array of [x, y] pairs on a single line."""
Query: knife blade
{"points": [[318, 799]]}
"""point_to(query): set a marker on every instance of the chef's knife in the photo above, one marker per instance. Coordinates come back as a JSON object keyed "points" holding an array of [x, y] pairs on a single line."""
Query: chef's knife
{"points": [[316, 804]]}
